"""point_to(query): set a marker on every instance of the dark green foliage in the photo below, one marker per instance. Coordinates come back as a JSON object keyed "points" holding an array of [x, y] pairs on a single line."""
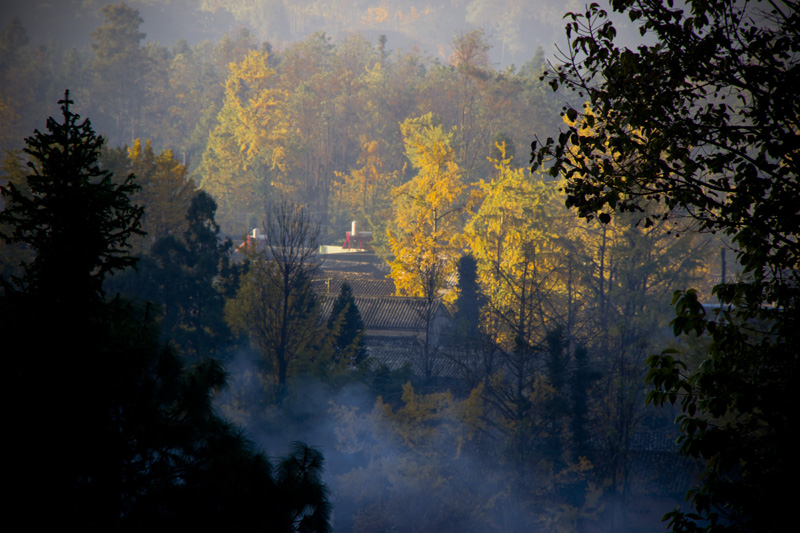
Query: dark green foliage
{"points": [[671, 130], [703, 123], [468, 303], [110, 429], [138, 444], [73, 211], [302, 493], [735, 415], [349, 332], [557, 406], [188, 276]]}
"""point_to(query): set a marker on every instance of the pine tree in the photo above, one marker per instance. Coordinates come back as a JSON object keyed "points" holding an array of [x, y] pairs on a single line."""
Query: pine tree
{"points": [[112, 430], [76, 219], [466, 320], [346, 321]]}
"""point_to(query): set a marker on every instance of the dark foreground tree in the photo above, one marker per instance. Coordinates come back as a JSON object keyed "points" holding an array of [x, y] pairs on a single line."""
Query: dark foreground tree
{"points": [[70, 210], [701, 126], [108, 428]]}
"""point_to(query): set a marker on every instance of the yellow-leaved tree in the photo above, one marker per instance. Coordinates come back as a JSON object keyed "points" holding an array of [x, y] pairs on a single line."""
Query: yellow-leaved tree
{"points": [[425, 233], [244, 149], [364, 193], [514, 237], [519, 238]]}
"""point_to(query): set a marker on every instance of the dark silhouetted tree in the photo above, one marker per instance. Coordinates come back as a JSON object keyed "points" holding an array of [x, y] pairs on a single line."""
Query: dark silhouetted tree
{"points": [[76, 219], [112, 430], [189, 276], [466, 320], [556, 407], [701, 124], [580, 383]]}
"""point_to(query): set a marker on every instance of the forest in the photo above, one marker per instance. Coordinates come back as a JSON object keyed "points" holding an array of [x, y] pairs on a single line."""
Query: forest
{"points": [[330, 270]]}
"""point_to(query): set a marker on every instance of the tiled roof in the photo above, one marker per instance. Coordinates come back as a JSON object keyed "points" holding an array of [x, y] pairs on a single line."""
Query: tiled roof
{"points": [[361, 284], [387, 313], [654, 441], [656, 467], [361, 262], [396, 352]]}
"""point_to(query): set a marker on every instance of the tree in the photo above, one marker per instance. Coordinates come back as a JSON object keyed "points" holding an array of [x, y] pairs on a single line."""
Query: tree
{"points": [[165, 190], [580, 383], [468, 304], [13, 256], [189, 275], [365, 192], [470, 58], [513, 237], [417, 456], [345, 321], [120, 66], [700, 125], [74, 210], [275, 304], [244, 149], [425, 231], [23, 71], [139, 443]]}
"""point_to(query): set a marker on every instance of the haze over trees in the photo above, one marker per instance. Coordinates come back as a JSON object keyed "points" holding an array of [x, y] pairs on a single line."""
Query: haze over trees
{"points": [[541, 407]]}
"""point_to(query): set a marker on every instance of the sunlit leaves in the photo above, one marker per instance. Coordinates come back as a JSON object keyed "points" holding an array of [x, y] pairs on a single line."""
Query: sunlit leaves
{"points": [[245, 145], [513, 237], [424, 234], [702, 124]]}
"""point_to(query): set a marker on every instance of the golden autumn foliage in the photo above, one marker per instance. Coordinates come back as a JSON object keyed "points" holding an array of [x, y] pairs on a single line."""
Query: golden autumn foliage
{"points": [[416, 458], [365, 192], [514, 237], [244, 148], [425, 231]]}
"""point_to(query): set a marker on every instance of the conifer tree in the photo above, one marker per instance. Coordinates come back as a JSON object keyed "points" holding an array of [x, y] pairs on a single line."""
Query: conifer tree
{"points": [[76, 219], [120, 66], [349, 328], [116, 431]]}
